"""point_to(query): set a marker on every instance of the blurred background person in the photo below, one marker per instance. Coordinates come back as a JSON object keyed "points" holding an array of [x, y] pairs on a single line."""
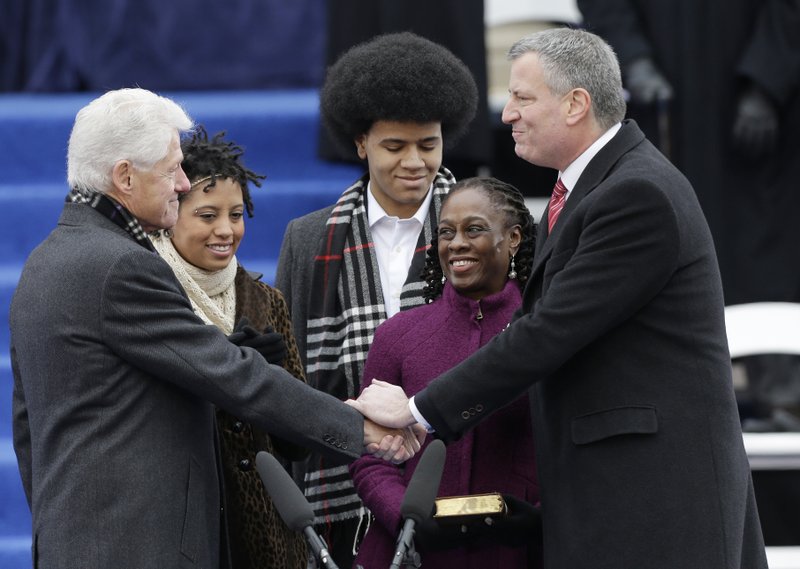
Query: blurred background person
{"points": [[479, 259], [399, 100], [717, 85], [201, 250]]}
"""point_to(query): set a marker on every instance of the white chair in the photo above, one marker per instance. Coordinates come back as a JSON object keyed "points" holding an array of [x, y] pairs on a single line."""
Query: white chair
{"points": [[768, 328], [763, 328]]}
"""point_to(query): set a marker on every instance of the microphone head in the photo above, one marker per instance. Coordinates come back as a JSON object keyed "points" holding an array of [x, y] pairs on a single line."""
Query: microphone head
{"points": [[292, 506], [424, 484]]}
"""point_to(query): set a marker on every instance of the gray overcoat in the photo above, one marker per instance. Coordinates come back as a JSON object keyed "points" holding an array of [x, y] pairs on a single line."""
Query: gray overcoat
{"points": [[115, 382]]}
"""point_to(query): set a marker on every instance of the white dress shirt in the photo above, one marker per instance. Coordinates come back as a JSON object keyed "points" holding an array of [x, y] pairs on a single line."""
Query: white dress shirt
{"points": [[569, 177], [395, 240]]}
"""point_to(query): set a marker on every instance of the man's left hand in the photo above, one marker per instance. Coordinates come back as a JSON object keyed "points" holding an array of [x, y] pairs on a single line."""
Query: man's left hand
{"points": [[384, 403]]}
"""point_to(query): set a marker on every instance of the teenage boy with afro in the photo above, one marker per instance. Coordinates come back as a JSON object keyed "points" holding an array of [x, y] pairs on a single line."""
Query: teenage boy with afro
{"points": [[400, 99]]}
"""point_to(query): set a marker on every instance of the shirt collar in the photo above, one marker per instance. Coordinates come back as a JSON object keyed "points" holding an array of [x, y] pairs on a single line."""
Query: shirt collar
{"points": [[570, 176], [376, 213]]}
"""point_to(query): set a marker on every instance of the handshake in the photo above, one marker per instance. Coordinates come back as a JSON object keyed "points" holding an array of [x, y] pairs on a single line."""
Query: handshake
{"points": [[387, 415], [394, 439]]}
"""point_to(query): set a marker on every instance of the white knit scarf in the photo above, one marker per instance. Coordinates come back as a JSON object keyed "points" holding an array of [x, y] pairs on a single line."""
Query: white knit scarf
{"points": [[212, 293]]}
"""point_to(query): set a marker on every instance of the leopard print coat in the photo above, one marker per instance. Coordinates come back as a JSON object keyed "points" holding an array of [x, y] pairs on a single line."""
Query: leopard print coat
{"points": [[258, 537]]}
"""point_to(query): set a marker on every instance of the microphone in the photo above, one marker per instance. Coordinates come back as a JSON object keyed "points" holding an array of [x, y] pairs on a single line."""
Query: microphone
{"points": [[419, 498], [292, 506]]}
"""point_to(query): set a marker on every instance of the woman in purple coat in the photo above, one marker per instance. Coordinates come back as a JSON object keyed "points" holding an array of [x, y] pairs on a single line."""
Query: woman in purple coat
{"points": [[479, 259]]}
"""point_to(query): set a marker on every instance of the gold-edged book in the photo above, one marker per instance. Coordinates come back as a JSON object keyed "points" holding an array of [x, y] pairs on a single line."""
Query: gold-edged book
{"points": [[458, 509]]}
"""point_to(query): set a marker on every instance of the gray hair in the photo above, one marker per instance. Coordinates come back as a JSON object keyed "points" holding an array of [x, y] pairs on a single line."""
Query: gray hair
{"points": [[126, 124], [573, 59]]}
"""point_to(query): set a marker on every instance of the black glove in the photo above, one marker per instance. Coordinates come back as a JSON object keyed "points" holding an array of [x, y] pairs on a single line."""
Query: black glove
{"points": [[645, 83], [269, 343], [755, 127], [522, 525], [430, 535]]}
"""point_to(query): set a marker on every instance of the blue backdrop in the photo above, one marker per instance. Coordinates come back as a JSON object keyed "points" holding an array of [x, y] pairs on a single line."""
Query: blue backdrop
{"points": [[96, 45]]}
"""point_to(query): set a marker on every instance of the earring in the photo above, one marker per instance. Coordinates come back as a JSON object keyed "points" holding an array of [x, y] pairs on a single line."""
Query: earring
{"points": [[444, 279], [168, 233], [512, 274]]}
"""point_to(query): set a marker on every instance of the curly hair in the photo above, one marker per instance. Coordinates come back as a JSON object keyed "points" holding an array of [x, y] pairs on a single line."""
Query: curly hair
{"points": [[397, 77], [217, 159], [506, 199]]}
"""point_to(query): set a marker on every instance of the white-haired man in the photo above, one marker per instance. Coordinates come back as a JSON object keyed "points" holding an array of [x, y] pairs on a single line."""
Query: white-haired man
{"points": [[115, 377]]}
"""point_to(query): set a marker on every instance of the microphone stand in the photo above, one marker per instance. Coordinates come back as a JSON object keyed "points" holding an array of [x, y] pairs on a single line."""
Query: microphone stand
{"points": [[318, 549], [409, 558]]}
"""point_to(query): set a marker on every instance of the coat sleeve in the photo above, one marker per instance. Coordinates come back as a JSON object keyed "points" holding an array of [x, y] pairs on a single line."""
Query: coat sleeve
{"points": [[148, 322], [379, 484], [282, 323], [21, 429], [626, 252]]}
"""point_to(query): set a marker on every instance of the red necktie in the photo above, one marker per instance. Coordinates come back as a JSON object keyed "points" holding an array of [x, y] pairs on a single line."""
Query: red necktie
{"points": [[556, 204]]}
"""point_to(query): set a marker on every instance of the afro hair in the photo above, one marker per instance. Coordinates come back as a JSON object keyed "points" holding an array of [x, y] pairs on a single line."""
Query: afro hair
{"points": [[397, 77]]}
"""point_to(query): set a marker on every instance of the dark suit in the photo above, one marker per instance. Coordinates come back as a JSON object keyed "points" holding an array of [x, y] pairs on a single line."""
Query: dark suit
{"points": [[114, 381], [621, 340]]}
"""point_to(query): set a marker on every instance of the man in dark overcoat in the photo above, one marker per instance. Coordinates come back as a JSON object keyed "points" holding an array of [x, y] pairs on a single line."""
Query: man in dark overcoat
{"points": [[620, 340]]}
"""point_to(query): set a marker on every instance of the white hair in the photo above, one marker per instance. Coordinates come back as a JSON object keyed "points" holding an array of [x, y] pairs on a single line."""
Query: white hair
{"points": [[126, 124]]}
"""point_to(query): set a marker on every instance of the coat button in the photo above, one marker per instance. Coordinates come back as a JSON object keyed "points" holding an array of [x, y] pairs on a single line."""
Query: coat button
{"points": [[479, 408], [465, 415], [245, 465]]}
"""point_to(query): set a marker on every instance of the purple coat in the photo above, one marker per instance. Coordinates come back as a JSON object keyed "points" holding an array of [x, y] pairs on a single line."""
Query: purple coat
{"points": [[410, 349]]}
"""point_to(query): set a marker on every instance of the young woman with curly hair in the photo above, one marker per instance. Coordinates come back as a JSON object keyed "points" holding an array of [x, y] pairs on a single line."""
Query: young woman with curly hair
{"points": [[201, 249]]}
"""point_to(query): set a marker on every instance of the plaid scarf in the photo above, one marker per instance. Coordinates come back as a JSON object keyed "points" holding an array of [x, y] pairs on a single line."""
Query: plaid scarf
{"points": [[114, 211], [342, 319]]}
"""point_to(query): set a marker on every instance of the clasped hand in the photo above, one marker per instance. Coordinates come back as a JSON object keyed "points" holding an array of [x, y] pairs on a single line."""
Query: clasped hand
{"points": [[386, 404], [392, 445]]}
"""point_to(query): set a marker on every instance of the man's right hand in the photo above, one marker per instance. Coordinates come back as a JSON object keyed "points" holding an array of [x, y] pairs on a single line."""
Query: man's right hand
{"points": [[393, 445]]}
